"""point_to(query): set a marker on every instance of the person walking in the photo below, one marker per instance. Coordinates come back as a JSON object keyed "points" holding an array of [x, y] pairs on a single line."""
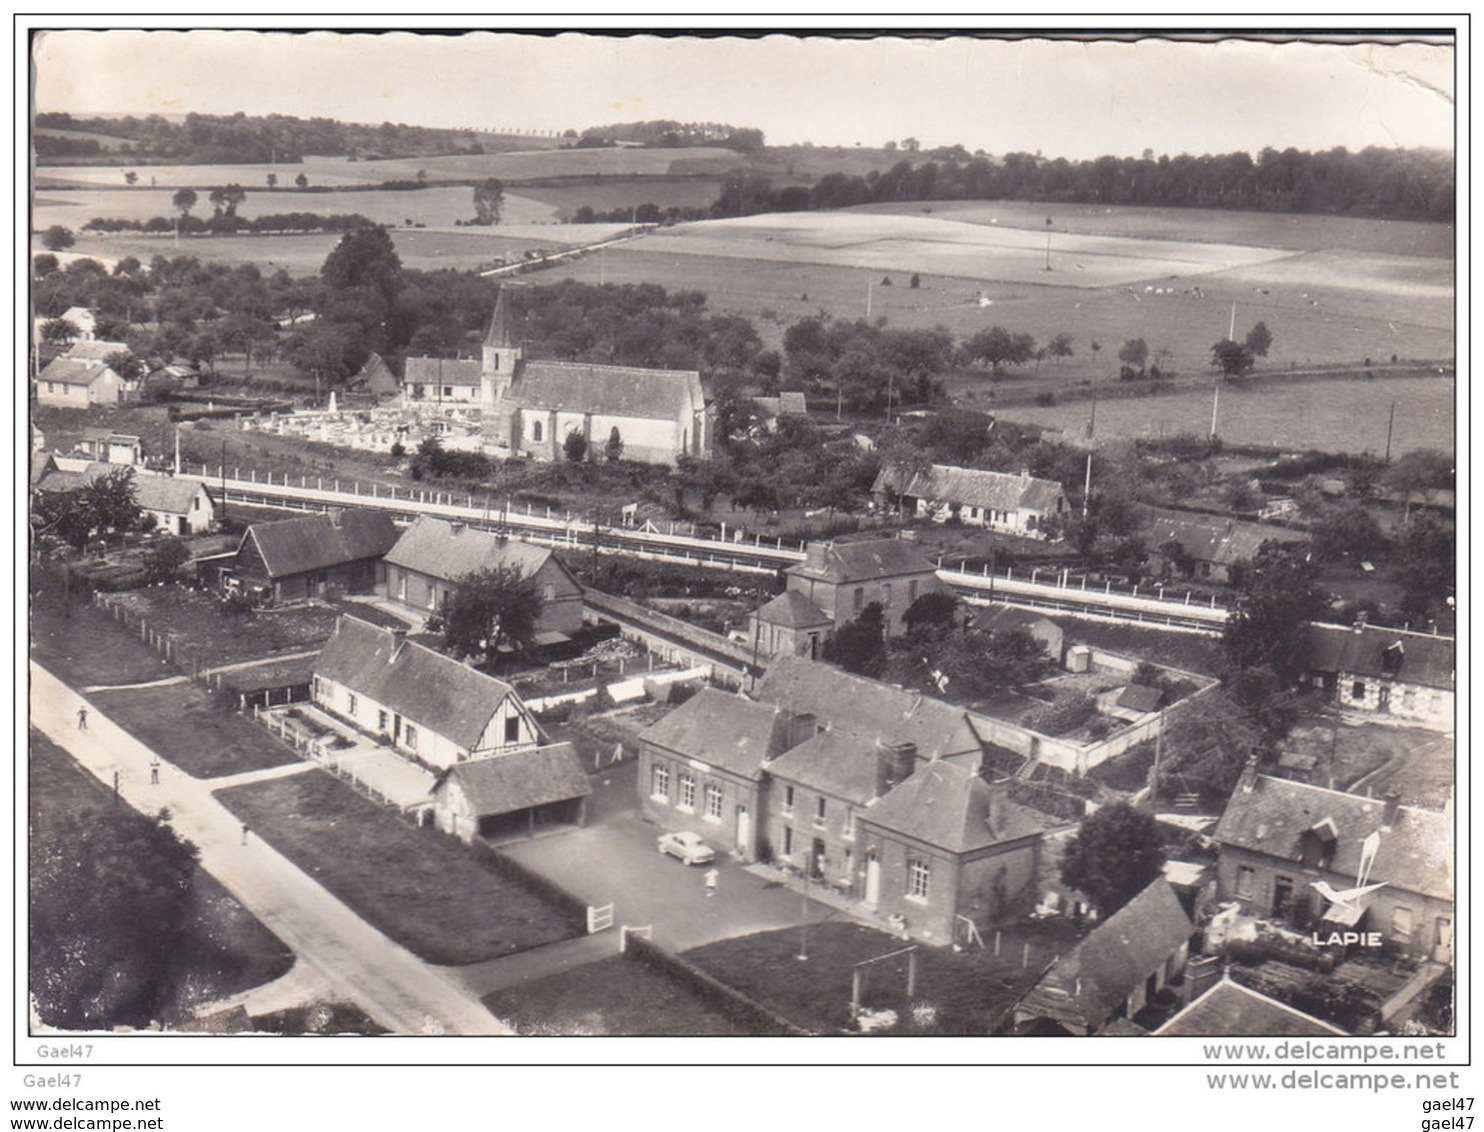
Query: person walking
{"points": [[711, 878], [154, 771], [245, 832], [82, 719]]}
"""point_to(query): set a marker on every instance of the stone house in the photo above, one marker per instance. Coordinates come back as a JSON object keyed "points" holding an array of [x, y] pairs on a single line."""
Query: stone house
{"points": [[1021, 504], [1208, 548], [1386, 671]]}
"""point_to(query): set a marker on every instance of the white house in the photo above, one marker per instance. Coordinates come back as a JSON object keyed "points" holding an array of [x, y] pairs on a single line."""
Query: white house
{"points": [[75, 383], [428, 707], [1016, 504]]}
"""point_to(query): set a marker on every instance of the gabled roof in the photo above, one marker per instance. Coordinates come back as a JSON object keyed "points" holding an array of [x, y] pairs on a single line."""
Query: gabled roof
{"points": [[846, 563], [950, 806], [1415, 854], [439, 549], [1231, 1010], [835, 763], [1087, 984], [793, 610], [376, 376], [518, 781], [975, 487], [724, 730], [1140, 697], [1210, 538], [94, 350], [442, 371], [167, 494], [999, 618], [867, 708], [42, 463], [74, 371], [425, 687], [1414, 658], [314, 542], [616, 391]]}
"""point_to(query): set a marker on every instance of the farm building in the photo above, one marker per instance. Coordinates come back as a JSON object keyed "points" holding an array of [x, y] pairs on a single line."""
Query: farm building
{"points": [[424, 567], [702, 767], [531, 407], [293, 559], [942, 846], [109, 447], [511, 794], [839, 579], [1387, 671], [1278, 839], [1016, 504], [75, 383], [1207, 547], [1231, 1010], [1008, 618], [428, 707], [377, 378], [1115, 971]]}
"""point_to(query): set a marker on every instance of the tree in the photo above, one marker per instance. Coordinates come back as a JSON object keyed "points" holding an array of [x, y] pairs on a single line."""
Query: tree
{"points": [[1233, 359], [490, 611], [163, 560], [489, 199], [1114, 856], [857, 645], [936, 607], [1134, 355], [111, 894], [613, 450], [302, 180], [1351, 533], [125, 364], [1259, 340], [59, 331], [272, 180], [43, 265], [574, 447], [1060, 346], [131, 177], [226, 199], [1277, 594], [57, 238], [1000, 347], [365, 257], [184, 200]]}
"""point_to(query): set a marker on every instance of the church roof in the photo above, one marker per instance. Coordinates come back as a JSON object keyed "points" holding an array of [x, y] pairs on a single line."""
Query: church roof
{"points": [[615, 391], [443, 371], [498, 335]]}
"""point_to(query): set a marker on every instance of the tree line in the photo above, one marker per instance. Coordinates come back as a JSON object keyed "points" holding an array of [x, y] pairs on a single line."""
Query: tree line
{"points": [[667, 134]]}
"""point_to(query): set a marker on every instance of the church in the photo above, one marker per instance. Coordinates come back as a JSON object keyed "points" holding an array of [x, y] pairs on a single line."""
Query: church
{"points": [[528, 408]]}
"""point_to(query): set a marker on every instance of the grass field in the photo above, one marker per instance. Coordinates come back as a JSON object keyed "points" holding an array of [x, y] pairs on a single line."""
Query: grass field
{"points": [[419, 887], [1335, 415]]}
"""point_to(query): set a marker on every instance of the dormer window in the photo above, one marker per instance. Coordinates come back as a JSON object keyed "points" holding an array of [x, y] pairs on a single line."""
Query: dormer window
{"points": [[1391, 658]]}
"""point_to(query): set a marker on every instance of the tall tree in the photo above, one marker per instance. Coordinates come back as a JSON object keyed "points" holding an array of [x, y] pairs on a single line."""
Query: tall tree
{"points": [[57, 238], [1259, 340], [1114, 856], [489, 201], [1278, 592], [184, 200], [490, 611]]}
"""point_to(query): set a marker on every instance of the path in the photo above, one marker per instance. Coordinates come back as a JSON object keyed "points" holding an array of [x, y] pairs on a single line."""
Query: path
{"points": [[388, 982], [160, 683], [241, 664]]}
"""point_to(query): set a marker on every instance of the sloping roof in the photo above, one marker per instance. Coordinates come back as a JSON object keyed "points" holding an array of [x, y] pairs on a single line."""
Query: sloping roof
{"points": [[836, 763], [94, 350], [74, 371], [1088, 983], [864, 560], [1420, 658], [519, 780], [1231, 1010], [437, 549], [442, 371], [376, 376], [950, 806], [1140, 697], [976, 487], [867, 708], [41, 464], [167, 494], [793, 610], [724, 730], [616, 391], [425, 687], [998, 618], [498, 335], [314, 542], [1210, 538], [1414, 854]]}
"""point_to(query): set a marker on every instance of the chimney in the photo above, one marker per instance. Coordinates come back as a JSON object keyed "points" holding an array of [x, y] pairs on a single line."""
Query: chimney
{"points": [[999, 794], [1248, 780], [801, 728], [1393, 802], [815, 555], [456, 527], [1360, 620], [895, 763], [1201, 974]]}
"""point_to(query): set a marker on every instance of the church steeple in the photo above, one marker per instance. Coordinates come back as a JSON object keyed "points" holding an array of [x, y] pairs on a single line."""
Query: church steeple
{"points": [[501, 356]]}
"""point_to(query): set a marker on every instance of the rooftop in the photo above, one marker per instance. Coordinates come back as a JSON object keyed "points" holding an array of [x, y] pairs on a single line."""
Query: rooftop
{"points": [[1370, 650], [441, 549], [313, 542], [975, 487], [520, 780]]}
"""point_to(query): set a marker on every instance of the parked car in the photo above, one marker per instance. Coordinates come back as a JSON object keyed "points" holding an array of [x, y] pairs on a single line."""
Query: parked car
{"points": [[688, 847]]}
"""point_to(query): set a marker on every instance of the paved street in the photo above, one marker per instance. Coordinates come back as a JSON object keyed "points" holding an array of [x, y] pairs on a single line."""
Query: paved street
{"points": [[392, 985]]}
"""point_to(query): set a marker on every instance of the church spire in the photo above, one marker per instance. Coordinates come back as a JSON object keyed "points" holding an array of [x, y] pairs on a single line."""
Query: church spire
{"points": [[499, 331]]}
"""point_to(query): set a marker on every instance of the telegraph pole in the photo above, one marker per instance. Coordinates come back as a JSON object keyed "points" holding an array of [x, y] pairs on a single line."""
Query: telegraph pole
{"points": [[1389, 423]]}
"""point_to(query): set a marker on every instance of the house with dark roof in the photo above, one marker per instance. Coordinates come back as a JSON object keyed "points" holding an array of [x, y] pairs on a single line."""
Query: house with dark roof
{"points": [[1386, 671], [702, 767], [292, 559], [515, 794], [790, 625], [1231, 1010], [1115, 971], [1021, 504], [943, 846], [1210, 548], [426, 706], [428, 559], [838, 580], [1278, 840], [876, 713]]}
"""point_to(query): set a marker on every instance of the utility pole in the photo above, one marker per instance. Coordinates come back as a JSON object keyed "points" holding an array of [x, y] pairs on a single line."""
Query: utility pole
{"points": [[868, 297], [224, 481], [1231, 332], [1087, 485], [1048, 243], [1389, 423], [804, 914], [1215, 401]]}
